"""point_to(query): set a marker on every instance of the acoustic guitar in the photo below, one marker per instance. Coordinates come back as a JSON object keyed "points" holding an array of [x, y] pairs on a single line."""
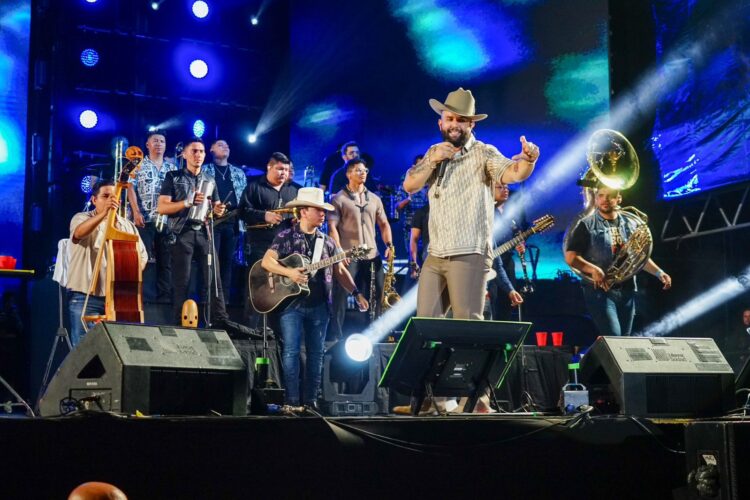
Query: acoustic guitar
{"points": [[269, 290]]}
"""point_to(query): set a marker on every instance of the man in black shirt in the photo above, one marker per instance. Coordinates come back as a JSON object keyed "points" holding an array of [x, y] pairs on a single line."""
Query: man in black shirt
{"points": [[257, 204], [595, 241], [180, 192], [230, 184]]}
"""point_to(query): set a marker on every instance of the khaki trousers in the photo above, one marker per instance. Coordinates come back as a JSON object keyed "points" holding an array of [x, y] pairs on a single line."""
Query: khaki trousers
{"points": [[456, 281]]}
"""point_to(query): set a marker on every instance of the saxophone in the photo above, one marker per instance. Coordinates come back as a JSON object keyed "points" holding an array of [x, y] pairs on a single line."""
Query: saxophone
{"points": [[390, 296]]}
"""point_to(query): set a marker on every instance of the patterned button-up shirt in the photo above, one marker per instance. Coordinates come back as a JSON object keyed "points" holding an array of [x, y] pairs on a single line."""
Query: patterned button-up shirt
{"points": [[293, 240], [147, 185], [461, 217], [239, 182]]}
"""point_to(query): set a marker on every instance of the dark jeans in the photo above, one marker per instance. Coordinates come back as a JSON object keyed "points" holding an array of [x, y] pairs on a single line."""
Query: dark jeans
{"points": [[160, 253], [191, 243], [75, 308], [360, 271], [499, 303], [298, 321], [226, 243], [613, 311]]}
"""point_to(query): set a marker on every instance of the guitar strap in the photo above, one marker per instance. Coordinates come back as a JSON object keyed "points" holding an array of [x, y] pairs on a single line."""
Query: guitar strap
{"points": [[318, 248]]}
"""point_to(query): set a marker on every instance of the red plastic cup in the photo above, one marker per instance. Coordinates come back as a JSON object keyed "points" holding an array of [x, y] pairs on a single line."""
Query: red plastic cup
{"points": [[557, 339], [541, 339]]}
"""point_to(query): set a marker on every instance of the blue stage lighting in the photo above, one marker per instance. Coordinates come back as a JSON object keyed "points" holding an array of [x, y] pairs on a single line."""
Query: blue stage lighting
{"points": [[358, 347], [91, 1], [199, 128], [252, 138], [89, 57], [200, 9], [88, 119], [155, 5], [87, 183], [198, 68], [254, 21]]}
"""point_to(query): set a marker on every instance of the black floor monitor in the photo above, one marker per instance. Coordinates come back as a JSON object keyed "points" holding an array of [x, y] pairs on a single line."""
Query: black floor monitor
{"points": [[453, 357]]}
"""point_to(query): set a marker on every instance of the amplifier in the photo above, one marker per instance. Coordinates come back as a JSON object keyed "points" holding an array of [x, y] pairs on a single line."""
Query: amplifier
{"points": [[156, 370], [659, 376]]}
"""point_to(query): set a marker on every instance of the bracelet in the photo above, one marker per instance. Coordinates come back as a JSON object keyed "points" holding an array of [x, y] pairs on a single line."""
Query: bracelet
{"points": [[186, 203], [355, 292], [659, 273]]}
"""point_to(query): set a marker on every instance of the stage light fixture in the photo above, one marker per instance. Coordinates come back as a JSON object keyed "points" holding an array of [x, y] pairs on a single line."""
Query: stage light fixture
{"points": [[198, 68], [153, 128], [199, 128], [155, 5], [254, 20], [200, 9], [89, 57], [91, 1], [87, 183], [358, 347], [252, 138], [88, 119]]}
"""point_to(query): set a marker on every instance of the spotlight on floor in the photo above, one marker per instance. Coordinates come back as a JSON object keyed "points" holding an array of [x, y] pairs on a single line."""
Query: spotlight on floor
{"points": [[252, 138], [200, 9], [88, 119], [198, 68], [358, 347]]}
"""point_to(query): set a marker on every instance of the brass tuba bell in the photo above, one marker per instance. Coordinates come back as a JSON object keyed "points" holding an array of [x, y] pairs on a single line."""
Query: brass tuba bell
{"points": [[613, 162]]}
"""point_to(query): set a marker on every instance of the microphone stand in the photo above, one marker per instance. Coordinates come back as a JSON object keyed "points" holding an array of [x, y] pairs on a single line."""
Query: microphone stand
{"points": [[212, 278]]}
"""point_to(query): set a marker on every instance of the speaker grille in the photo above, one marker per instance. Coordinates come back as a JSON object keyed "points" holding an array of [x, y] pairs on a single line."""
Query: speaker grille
{"points": [[683, 394]]}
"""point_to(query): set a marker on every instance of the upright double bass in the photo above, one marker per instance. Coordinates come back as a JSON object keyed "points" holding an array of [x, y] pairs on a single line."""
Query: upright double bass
{"points": [[124, 282]]}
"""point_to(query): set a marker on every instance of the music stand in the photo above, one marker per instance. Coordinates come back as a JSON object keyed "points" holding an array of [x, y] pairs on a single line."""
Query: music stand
{"points": [[453, 358]]}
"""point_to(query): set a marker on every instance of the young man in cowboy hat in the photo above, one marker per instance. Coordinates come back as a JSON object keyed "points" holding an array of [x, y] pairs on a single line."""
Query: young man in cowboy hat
{"points": [[307, 316], [461, 172]]}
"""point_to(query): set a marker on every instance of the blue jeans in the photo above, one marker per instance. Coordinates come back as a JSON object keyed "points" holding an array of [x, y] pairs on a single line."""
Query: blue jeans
{"points": [[297, 321], [612, 311], [75, 309]]}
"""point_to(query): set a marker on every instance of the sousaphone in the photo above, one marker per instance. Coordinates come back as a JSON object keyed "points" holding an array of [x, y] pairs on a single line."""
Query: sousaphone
{"points": [[613, 162]]}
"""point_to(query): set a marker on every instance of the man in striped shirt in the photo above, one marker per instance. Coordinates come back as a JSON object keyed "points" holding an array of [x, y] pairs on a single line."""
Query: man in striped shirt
{"points": [[461, 172]]}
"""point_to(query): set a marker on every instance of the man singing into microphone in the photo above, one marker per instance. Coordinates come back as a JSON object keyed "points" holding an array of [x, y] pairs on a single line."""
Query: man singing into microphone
{"points": [[461, 172]]}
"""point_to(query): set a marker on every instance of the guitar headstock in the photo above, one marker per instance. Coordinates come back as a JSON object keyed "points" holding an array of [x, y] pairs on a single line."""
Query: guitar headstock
{"points": [[359, 252], [543, 223], [134, 155]]}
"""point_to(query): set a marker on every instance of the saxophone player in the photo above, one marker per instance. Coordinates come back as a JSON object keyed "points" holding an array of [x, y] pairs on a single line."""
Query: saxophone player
{"points": [[357, 212], [591, 248]]}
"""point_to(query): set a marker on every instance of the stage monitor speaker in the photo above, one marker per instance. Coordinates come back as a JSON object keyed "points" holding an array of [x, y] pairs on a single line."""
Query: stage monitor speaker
{"points": [[658, 376], [156, 370]]}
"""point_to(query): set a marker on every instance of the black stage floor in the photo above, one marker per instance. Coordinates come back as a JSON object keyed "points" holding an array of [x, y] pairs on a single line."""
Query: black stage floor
{"points": [[456, 456]]}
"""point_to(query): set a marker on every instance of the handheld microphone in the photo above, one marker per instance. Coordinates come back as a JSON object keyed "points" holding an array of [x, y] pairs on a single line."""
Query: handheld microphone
{"points": [[441, 174]]}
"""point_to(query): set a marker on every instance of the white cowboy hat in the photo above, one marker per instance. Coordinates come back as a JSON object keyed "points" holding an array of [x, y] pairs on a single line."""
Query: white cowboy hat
{"points": [[310, 197], [460, 102]]}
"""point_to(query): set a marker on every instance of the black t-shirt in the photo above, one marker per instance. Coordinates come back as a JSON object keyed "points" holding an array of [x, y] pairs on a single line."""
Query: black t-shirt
{"points": [[421, 221], [580, 241], [317, 282], [224, 187]]}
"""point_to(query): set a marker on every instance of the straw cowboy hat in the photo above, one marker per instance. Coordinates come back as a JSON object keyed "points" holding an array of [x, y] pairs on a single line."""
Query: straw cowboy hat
{"points": [[460, 102], [310, 197]]}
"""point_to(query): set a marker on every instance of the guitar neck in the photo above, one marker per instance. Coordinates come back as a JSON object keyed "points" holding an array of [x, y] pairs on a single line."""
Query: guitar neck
{"points": [[327, 262], [512, 242]]}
